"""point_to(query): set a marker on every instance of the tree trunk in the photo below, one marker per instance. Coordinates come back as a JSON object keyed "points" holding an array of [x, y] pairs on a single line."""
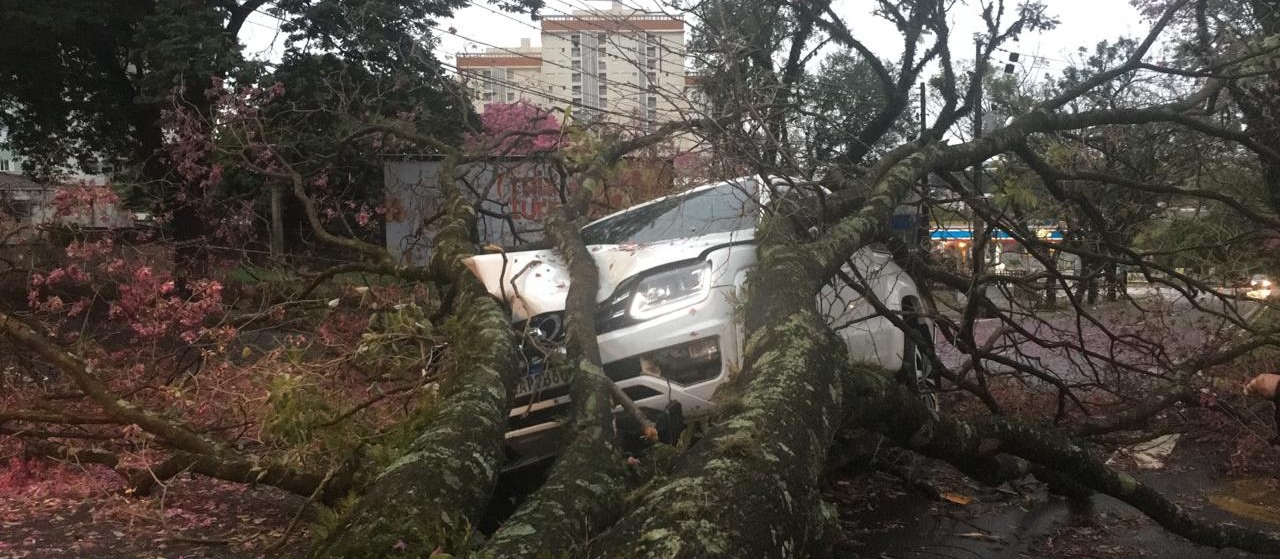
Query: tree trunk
{"points": [[431, 498], [583, 494], [750, 486], [277, 220], [974, 447]]}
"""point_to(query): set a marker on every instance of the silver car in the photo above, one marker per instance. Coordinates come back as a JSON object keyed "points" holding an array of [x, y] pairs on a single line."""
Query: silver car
{"points": [[672, 273]]}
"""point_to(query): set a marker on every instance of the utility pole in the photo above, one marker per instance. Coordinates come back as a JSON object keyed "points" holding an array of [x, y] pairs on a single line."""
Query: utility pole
{"points": [[979, 238], [923, 114], [922, 218]]}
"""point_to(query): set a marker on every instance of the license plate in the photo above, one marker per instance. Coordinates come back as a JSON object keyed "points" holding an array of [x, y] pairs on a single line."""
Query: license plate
{"points": [[540, 378]]}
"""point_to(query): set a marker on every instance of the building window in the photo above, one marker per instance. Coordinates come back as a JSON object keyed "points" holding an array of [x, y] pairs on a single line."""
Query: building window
{"points": [[576, 78], [603, 77], [576, 65], [511, 97], [602, 66], [577, 101], [575, 39], [651, 51], [603, 90], [577, 91], [653, 102], [488, 96], [4, 164], [652, 63]]}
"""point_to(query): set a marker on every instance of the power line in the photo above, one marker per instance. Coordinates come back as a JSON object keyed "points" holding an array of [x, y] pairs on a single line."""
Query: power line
{"points": [[543, 60], [513, 85], [599, 15], [545, 95], [1015, 55], [616, 46], [620, 19], [506, 15]]}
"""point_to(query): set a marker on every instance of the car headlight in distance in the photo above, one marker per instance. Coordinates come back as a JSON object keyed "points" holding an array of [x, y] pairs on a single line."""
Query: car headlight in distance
{"points": [[667, 291]]}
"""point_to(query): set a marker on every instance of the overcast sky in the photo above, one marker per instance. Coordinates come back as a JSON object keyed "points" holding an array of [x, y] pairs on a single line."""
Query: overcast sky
{"points": [[1083, 23]]}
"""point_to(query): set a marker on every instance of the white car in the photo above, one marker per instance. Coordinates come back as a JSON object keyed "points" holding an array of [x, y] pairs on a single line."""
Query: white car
{"points": [[671, 274], [1259, 287]]}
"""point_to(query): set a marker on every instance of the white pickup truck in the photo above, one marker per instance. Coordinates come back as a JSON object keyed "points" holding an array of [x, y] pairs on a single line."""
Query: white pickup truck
{"points": [[671, 274]]}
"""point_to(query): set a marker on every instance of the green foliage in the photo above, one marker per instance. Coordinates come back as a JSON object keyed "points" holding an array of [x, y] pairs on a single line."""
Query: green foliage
{"points": [[1261, 54], [395, 442], [400, 341], [65, 94], [328, 518], [843, 96], [296, 409], [1016, 189], [91, 85]]}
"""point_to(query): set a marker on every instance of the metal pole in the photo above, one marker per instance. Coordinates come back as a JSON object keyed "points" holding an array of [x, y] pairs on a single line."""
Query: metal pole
{"points": [[923, 114], [922, 219], [979, 237]]}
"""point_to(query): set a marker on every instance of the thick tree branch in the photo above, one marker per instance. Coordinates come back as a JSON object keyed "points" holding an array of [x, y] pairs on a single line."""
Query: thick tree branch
{"points": [[431, 497]]}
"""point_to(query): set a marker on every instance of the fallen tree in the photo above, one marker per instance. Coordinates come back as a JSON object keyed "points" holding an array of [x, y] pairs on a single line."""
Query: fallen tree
{"points": [[751, 483]]}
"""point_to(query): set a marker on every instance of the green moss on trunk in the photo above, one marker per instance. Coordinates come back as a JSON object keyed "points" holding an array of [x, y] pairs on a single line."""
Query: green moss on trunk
{"points": [[431, 497], [583, 494]]}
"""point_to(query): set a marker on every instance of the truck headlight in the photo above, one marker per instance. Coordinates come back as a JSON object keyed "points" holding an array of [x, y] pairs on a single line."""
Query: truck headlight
{"points": [[667, 291]]}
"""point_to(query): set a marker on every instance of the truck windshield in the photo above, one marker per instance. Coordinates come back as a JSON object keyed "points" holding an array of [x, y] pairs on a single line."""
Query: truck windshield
{"points": [[728, 207]]}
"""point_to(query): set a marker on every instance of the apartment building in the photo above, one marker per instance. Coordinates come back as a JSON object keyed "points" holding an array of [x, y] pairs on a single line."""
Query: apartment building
{"points": [[620, 66]]}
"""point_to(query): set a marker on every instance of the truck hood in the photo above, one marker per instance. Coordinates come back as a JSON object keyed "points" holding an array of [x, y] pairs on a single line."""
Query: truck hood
{"points": [[537, 281]]}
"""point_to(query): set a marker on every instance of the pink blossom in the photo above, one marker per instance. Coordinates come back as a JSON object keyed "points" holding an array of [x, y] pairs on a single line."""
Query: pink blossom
{"points": [[516, 129]]}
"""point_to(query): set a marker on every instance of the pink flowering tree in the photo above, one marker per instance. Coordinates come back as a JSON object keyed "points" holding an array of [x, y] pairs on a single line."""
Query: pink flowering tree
{"points": [[518, 128], [173, 369]]}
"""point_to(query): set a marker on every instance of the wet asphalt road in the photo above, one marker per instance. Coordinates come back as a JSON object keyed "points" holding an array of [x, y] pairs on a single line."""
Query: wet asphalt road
{"points": [[883, 519], [1024, 521], [1153, 330]]}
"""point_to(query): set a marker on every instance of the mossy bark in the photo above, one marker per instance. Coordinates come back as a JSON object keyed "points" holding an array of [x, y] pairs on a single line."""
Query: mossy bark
{"points": [[750, 486], [583, 494], [430, 498]]}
